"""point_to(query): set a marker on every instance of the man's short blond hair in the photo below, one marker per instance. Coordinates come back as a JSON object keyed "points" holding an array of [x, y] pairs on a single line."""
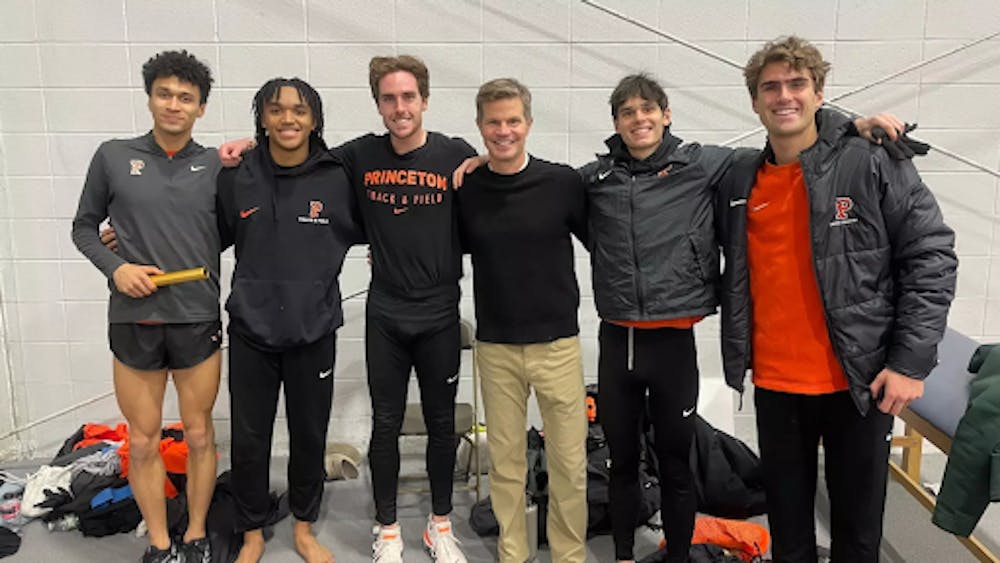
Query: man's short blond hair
{"points": [[502, 89], [795, 51]]}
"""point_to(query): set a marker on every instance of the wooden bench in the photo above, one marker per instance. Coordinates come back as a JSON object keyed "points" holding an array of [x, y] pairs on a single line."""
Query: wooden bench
{"points": [[935, 418]]}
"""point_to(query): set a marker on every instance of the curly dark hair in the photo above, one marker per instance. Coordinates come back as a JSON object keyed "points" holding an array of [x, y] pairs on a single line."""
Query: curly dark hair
{"points": [[185, 66], [270, 92]]}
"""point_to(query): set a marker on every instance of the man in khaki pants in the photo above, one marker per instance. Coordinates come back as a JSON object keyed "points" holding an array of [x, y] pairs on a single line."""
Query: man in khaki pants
{"points": [[518, 215]]}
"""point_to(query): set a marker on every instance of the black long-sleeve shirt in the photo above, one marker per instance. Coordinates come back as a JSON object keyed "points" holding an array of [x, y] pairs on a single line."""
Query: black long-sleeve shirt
{"points": [[519, 229]]}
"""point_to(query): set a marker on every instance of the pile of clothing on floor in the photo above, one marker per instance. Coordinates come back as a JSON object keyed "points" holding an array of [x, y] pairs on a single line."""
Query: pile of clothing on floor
{"points": [[85, 486]]}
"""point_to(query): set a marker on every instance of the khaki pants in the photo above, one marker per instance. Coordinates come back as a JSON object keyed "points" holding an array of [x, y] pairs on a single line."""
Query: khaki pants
{"points": [[555, 371]]}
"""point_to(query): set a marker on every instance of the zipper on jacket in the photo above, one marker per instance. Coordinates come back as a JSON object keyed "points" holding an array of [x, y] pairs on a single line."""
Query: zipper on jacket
{"points": [[639, 297], [819, 288]]}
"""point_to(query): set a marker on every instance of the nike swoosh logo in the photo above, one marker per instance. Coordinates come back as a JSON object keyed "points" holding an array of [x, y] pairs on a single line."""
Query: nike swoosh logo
{"points": [[325, 373], [399, 210], [603, 175], [687, 412], [197, 168], [760, 206], [736, 202], [248, 212], [451, 379]]}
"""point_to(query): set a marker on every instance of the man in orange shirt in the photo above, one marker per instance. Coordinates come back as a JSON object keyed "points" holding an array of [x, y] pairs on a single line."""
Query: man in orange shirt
{"points": [[839, 274]]}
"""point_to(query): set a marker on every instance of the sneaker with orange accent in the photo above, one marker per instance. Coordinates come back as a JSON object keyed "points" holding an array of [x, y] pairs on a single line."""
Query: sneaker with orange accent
{"points": [[388, 545], [440, 542]]}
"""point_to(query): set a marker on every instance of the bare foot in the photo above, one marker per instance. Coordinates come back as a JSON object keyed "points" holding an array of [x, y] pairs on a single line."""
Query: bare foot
{"points": [[307, 546], [253, 547]]}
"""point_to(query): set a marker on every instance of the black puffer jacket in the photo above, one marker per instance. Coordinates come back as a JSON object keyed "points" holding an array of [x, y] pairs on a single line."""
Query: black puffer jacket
{"points": [[884, 259], [653, 252]]}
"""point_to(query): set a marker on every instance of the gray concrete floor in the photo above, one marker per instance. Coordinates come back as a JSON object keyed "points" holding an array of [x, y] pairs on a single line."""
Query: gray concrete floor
{"points": [[347, 515], [345, 526]]}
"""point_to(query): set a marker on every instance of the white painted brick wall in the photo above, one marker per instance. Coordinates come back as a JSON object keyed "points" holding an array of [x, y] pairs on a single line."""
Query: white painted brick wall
{"points": [[70, 79]]}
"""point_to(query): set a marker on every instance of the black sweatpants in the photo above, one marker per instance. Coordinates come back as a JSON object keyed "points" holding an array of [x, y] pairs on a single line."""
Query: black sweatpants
{"points": [[401, 336], [255, 377], [856, 449], [664, 363]]}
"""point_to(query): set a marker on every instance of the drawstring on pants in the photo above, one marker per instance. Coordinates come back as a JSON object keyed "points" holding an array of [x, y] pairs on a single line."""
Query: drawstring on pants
{"points": [[631, 347]]}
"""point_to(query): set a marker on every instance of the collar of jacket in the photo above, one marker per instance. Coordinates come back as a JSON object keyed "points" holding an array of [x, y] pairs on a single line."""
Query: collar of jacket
{"points": [[618, 154], [148, 143], [831, 126]]}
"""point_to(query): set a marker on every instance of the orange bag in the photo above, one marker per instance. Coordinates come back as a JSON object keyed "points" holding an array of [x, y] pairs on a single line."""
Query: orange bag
{"points": [[174, 453], [94, 433], [744, 539]]}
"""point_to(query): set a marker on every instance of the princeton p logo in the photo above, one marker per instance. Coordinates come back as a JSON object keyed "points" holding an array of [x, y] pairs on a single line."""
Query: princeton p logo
{"points": [[315, 208], [843, 205]]}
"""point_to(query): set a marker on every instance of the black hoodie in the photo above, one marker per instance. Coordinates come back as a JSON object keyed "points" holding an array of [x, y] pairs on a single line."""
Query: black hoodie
{"points": [[292, 228]]}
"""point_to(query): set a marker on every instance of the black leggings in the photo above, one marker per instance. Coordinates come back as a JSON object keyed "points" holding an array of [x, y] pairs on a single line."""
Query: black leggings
{"points": [[255, 378], [395, 343], [662, 362]]}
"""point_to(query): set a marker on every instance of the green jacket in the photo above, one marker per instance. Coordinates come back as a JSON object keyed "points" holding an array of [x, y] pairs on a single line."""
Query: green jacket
{"points": [[972, 477]]}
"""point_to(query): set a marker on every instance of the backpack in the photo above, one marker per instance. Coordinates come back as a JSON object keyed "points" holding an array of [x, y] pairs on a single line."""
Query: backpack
{"points": [[111, 511], [700, 553], [599, 473]]}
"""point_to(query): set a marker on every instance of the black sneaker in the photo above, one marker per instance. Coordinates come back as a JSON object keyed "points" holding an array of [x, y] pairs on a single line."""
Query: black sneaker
{"points": [[169, 555], [197, 551]]}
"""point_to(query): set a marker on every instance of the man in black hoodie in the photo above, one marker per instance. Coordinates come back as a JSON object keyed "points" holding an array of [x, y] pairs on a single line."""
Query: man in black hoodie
{"points": [[291, 214]]}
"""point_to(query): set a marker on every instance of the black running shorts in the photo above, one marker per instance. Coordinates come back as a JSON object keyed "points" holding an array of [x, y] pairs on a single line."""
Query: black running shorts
{"points": [[164, 346]]}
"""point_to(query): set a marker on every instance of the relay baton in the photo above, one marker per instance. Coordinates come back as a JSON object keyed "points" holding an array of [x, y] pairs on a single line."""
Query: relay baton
{"points": [[180, 276]]}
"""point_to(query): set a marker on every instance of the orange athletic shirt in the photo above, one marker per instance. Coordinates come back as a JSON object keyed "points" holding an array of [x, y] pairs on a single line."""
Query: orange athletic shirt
{"points": [[683, 322], [791, 346]]}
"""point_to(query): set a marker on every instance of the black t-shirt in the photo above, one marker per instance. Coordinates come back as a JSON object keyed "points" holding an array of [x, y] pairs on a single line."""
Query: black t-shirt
{"points": [[408, 211], [518, 228]]}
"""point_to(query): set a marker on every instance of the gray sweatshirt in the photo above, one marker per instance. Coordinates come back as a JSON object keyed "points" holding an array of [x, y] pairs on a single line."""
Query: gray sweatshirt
{"points": [[163, 212]]}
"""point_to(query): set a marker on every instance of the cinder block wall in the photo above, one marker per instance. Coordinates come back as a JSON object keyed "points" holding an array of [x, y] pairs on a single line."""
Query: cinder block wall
{"points": [[69, 78]]}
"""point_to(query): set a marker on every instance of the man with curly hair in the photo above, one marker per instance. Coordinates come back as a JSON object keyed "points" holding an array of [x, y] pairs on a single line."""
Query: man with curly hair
{"points": [[159, 191]]}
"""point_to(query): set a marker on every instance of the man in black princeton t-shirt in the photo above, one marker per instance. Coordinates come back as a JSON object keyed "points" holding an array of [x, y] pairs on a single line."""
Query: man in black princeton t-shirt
{"points": [[403, 182]]}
